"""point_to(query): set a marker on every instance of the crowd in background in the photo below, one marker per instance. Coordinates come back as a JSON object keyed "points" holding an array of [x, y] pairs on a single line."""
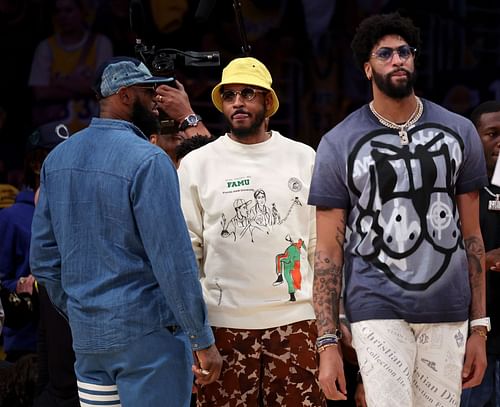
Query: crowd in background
{"points": [[315, 76], [52, 47]]}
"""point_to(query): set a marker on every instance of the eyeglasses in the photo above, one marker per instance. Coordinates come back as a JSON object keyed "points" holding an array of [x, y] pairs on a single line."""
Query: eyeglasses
{"points": [[245, 93], [385, 54]]}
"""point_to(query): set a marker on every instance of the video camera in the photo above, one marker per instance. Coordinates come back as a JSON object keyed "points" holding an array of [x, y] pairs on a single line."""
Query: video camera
{"points": [[163, 61]]}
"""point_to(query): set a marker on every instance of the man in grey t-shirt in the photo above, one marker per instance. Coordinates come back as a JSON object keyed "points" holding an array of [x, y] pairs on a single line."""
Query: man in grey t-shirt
{"points": [[396, 188]]}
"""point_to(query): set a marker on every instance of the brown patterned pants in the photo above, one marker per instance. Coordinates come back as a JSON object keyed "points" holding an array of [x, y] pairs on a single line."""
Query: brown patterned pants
{"points": [[266, 367]]}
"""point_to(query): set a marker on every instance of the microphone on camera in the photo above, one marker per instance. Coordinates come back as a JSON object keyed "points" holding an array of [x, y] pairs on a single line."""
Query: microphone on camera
{"points": [[210, 58]]}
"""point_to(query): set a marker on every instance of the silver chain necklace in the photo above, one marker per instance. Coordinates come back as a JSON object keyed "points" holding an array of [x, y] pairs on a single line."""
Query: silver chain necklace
{"points": [[402, 128], [490, 192]]}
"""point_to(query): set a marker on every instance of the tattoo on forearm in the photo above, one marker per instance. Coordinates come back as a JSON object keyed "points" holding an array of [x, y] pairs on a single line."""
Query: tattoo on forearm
{"points": [[327, 289], [475, 254]]}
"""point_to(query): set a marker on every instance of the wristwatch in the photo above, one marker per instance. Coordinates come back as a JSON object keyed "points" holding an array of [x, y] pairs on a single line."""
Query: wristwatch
{"points": [[191, 120], [481, 322]]}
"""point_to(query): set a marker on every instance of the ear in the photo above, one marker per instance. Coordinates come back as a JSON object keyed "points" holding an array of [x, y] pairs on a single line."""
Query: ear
{"points": [[124, 95], [268, 102], [368, 71], [153, 139]]}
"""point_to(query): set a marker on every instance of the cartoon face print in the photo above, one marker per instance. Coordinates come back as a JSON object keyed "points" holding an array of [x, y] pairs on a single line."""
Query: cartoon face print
{"points": [[406, 201]]}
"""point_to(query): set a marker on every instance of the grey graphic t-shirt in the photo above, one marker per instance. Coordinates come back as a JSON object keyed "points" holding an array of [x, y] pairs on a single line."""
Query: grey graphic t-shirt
{"points": [[404, 254]]}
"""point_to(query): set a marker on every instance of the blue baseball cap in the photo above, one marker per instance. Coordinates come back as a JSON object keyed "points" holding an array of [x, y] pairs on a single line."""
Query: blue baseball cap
{"points": [[119, 72]]}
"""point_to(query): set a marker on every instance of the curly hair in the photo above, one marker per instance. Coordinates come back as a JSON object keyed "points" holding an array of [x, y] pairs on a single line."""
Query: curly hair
{"points": [[373, 28], [191, 144]]}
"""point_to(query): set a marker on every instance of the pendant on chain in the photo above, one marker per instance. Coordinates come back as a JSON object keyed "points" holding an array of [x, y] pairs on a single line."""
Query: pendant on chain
{"points": [[403, 136], [494, 205]]}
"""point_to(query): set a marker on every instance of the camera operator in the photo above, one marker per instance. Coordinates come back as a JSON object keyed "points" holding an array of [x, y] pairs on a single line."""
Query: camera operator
{"points": [[174, 102], [181, 123]]}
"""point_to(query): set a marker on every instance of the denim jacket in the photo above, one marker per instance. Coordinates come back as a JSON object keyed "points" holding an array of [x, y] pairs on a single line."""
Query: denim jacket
{"points": [[110, 243]]}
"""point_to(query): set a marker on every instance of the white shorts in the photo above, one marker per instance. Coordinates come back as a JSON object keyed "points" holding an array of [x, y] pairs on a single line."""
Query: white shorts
{"points": [[410, 365]]}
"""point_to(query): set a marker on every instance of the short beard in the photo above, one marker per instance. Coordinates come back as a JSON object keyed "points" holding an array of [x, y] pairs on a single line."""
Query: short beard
{"points": [[246, 132], [386, 86], [144, 119]]}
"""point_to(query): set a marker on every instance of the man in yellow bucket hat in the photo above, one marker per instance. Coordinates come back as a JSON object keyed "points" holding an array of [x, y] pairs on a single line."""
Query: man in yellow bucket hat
{"points": [[259, 301]]}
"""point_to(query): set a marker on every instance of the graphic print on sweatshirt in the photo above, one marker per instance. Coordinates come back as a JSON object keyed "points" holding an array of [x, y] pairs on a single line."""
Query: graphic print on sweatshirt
{"points": [[288, 266], [252, 213], [405, 202]]}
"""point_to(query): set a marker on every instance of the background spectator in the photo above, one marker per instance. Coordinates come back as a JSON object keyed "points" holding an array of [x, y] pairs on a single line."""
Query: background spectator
{"points": [[63, 67]]}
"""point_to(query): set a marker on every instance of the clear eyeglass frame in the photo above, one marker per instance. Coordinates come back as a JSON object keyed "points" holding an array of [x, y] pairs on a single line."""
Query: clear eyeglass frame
{"points": [[385, 54], [246, 93]]}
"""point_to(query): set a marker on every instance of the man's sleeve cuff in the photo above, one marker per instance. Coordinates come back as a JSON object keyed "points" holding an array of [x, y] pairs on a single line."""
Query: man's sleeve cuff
{"points": [[202, 339]]}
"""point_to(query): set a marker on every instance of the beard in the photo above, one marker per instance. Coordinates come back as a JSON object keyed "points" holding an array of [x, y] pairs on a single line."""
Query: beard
{"points": [[144, 119], [395, 91], [244, 132]]}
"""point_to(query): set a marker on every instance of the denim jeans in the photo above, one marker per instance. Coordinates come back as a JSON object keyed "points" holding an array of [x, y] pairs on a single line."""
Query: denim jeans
{"points": [[487, 394]]}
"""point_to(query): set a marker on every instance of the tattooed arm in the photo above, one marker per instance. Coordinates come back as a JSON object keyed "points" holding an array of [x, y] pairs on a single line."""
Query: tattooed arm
{"points": [[475, 353], [328, 261], [327, 287]]}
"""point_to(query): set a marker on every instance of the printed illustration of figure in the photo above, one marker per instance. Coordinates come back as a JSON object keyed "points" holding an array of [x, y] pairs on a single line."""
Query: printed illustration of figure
{"points": [[288, 266], [260, 214], [240, 223], [259, 217]]}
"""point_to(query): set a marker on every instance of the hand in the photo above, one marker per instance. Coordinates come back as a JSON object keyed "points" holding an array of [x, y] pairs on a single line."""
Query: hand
{"points": [[475, 361], [359, 396], [208, 366], [174, 101], [493, 260], [25, 284], [331, 374]]}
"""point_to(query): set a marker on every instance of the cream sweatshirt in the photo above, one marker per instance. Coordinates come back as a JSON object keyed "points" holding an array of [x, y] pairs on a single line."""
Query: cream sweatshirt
{"points": [[252, 231]]}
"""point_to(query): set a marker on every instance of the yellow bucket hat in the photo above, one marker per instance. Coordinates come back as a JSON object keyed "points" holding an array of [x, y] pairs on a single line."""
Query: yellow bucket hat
{"points": [[246, 71]]}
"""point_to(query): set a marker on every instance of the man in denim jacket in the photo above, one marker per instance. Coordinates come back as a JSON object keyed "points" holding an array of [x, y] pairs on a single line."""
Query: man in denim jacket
{"points": [[110, 244]]}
